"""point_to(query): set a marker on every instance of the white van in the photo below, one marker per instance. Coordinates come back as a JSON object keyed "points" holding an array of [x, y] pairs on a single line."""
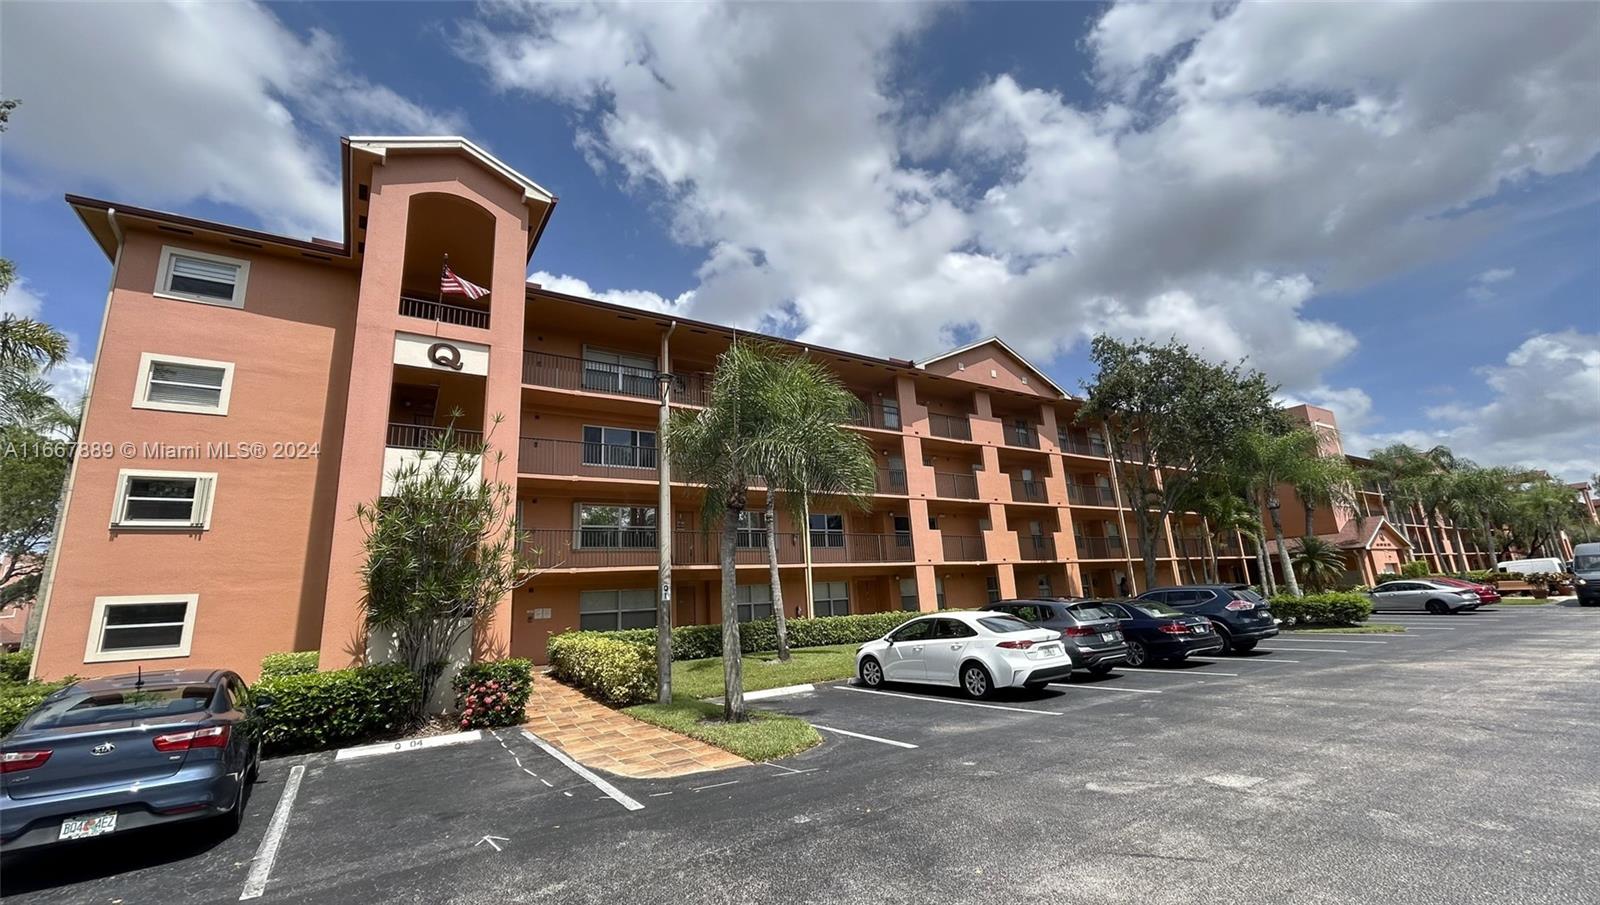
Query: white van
{"points": [[1586, 572], [1532, 566]]}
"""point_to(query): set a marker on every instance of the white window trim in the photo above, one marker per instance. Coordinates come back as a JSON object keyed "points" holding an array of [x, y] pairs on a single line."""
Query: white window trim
{"points": [[617, 427], [97, 623], [205, 495], [141, 388], [164, 277]]}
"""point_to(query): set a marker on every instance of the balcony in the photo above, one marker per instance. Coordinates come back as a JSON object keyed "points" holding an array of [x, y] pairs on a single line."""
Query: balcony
{"points": [[1025, 437], [443, 312], [955, 486], [1036, 546], [1100, 548], [1082, 446], [963, 548], [427, 436], [860, 548], [891, 480], [601, 548], [1090, 495], [563, 372], [951, 427], [882, 417], [538, 455], [1190, 547], [1028, 491]]}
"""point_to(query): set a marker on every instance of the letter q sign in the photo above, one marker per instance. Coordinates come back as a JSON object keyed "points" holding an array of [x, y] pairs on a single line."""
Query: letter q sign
{"points": [[445, 356]]}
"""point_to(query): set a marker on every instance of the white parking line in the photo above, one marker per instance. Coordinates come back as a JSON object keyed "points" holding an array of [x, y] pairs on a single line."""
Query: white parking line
{"points": [[1322, 639], [1243, 660], [261, 866], [1106, 688], [1301, 650], [1194, 672], [870, 738], [917, 697], [616, 794], [409, 744]]}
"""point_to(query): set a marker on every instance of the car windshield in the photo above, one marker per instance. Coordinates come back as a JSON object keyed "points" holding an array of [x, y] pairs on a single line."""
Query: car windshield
{"points": [[1151, 608], [1091, 612], [1004, 624], [1248, 594], [85, 708], [1586, 563]]}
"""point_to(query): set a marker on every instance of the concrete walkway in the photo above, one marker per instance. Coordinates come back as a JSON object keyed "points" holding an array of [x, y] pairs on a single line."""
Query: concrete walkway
{"points": [[605, 739]]}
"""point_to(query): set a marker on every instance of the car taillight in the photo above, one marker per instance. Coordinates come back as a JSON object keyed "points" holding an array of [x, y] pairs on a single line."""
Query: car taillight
{"points": [[1081, 631], [1240, 605], [1015, 645], [209, 737], [13, 761], [1174, 628]]}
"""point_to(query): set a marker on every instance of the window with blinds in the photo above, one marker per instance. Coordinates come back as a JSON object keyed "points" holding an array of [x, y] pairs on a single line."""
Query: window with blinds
{"points": [[164, 500], [174, 384], [141, 627], [199, 277]]}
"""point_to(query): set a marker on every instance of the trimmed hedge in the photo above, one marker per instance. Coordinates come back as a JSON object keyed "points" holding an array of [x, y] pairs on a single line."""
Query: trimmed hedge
{"points": [[696, 642], [494, 694], [14, 666], [1326, 608], [1415, 569], [17, 700], [320, 710], [618, 672], [299, 663]]}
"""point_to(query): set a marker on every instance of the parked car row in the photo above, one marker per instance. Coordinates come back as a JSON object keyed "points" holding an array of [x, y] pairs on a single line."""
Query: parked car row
{"points": [[1031, 643], [1431, 595]]}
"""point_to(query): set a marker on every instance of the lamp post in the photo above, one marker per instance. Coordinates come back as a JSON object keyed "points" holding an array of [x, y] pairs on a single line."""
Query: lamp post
{"points": [[664, 381]]}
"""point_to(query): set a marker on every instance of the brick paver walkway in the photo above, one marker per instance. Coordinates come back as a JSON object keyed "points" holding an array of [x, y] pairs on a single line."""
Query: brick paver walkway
{"points": [[597, 736]]}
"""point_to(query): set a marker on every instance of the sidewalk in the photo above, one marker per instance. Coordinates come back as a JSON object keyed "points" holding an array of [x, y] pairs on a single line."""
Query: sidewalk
{"points": [[597, 736]]}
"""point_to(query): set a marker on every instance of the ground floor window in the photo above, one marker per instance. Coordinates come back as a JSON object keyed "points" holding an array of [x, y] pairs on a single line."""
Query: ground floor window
{"points": [[1045, 590], [908, 595], [605, 611], [141, 627], [993, 582], [938, 588], [830, 598], [754, 601]]}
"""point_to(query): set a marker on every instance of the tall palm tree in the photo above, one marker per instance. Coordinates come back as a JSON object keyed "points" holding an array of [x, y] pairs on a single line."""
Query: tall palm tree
{"points": [[1321, 562], [25, 341], [1271, 461], [1483, 497], [1399, 469], [1325, 482], [764, 423]]}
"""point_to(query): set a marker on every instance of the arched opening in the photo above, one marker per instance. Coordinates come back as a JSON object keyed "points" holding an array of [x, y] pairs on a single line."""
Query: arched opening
{"points": [[441, 228]]}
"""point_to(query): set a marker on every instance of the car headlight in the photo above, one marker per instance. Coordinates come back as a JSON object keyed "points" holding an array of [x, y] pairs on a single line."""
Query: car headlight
{"points": [[1580, 581]]}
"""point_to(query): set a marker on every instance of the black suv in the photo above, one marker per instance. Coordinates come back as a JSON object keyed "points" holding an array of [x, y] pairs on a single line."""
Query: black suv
{"points": [[1092, 636], [1239, 614]]}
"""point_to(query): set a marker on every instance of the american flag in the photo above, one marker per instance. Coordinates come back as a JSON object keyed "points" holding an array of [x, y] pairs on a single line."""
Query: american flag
{"points": [[450, 284]]}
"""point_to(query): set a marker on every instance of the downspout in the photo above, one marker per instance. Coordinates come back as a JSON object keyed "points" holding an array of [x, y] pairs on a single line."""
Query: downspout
{"points": [[33, 635], [664, 527]]}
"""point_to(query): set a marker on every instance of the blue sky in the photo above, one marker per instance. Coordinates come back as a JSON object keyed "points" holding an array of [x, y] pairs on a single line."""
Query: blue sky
{"points": [[1393, 211]]}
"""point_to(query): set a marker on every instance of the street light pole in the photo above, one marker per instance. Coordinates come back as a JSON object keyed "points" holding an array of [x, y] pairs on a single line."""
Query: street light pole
{"points": [[664, 380]]}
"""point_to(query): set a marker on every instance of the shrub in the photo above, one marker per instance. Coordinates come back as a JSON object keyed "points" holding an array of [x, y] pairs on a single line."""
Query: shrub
{"points": [[494, 694], [696, 642], [312, 711], [298, 663], [14, 666], [17, 700], [1415, 569], [618, 672], [1327, 608]]}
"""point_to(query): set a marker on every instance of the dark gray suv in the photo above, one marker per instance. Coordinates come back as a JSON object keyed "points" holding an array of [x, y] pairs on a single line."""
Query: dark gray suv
{"points": [[1240, 616], [1092, 636]]}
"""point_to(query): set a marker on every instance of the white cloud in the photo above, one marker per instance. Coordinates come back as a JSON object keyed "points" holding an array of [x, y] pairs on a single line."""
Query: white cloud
{"points": [[166, 104], [1242, 160], [69, 379], [1481, 288]]}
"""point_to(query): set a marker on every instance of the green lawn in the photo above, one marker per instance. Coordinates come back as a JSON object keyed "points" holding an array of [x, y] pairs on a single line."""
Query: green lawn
{"points": [[1521, 601], [1366, 628], [765, 736], [699, 679]]}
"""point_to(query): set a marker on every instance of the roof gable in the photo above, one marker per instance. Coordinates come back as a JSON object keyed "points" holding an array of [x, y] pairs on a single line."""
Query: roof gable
{"points": [[990, 362]]}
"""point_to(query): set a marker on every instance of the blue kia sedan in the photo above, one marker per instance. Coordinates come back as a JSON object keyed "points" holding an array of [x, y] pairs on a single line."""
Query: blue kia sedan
{"points": [[107, 755]]}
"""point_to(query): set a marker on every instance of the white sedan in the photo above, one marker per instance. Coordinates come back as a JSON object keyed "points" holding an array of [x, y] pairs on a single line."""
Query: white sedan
{"points": [[977, 652]]}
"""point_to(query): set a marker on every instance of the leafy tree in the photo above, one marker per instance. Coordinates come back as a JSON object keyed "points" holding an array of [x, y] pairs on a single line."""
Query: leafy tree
{"points": [[1273, 460], [774, 417], [1223, 502], [442, 551], [32, 469], [1325, 482], [1173, 417], [1400, 470], [1540, 509], [1482, 496], [1320, 562]]}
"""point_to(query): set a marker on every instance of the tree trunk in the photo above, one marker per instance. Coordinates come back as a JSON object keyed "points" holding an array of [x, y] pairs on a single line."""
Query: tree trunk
{"points": [[1273, 508], [1215, 575], [1436, 536], [732, 662], [1464, 564], [1147, 548], [1488, 544], [1311, 514], [778, 615]]}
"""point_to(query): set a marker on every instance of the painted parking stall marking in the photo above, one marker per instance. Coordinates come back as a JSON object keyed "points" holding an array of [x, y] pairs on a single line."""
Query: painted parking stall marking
{"points": [[1106, 688], [870, 738], [611, 791], [913, 697], [408, 744], [261, 865]]}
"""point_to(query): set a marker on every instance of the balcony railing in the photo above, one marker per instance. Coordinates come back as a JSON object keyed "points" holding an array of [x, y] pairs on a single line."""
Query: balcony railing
{"points": [[891, 480], [883, 417], [563, 372], [443, 312], [538, 455], [953, 427], [955, 486], [1028, 491], [1037, 546], [1082, 446], [1090, 495], [427, 436], [963, 548], [1100, 547], [845, 548], [585, 548], [1025, 437], [1190, 546]]}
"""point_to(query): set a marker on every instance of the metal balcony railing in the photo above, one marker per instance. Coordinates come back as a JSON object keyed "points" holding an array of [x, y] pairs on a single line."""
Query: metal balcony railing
{"points": [[891, 480], [1036, 546], [1024, 437], [955, 486], [586, 548], [850, 548], [539, 455], [1082, 445], [953, 427], [872, 414], [427, 436], [963, 548], [1190, 546], [1100, 547], [443, 312], [1090, 495], [563, 372], [1028, 491]]}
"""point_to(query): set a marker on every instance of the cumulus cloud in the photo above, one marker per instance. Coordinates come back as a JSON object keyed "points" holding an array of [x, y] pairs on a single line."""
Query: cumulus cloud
{"points": [[166, 104], [1481, 288], [1238, 163]]}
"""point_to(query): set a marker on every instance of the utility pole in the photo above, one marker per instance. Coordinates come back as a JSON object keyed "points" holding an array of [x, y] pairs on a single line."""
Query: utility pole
{"points": [[664, 523]]}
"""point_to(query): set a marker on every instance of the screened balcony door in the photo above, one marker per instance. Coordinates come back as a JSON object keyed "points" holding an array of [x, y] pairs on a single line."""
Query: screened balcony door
{"points": [[616, 372], [619, 447]]}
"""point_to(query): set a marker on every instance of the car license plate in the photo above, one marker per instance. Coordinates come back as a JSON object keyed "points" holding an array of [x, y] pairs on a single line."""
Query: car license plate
{"points": [[1201, 629], [1110, 636], [1049, 650], [88, 825]]}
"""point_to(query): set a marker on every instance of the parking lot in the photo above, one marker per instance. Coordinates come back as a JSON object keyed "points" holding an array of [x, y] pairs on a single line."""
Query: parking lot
{"points": [[1454, 763]]}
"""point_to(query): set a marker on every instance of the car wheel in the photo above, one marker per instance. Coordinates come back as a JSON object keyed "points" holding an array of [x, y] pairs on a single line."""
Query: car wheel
{"points": [[229, 823], [1225, 638], [1099, 669], [871, 673], [1137, 655], [1437, 607], [975, 681], [1244, 647]]}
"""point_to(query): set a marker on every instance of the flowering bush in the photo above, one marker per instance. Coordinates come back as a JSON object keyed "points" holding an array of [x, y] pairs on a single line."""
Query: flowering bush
{"points": [[494, 694]]}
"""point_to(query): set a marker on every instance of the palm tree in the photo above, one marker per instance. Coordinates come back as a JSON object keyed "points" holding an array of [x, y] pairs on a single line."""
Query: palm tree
{"points": [[1273, 460], [25, 341], [1321, 562], [763, 422], [1325, 482], [1398, 469], [1482, 496]]}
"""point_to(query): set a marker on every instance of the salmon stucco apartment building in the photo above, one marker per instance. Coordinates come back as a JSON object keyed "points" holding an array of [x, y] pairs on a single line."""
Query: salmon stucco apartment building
{"points": [[250, 390]]}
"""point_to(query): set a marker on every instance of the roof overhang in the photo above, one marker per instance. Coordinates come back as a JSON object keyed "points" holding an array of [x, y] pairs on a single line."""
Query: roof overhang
{"points": [[997, 341]]}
